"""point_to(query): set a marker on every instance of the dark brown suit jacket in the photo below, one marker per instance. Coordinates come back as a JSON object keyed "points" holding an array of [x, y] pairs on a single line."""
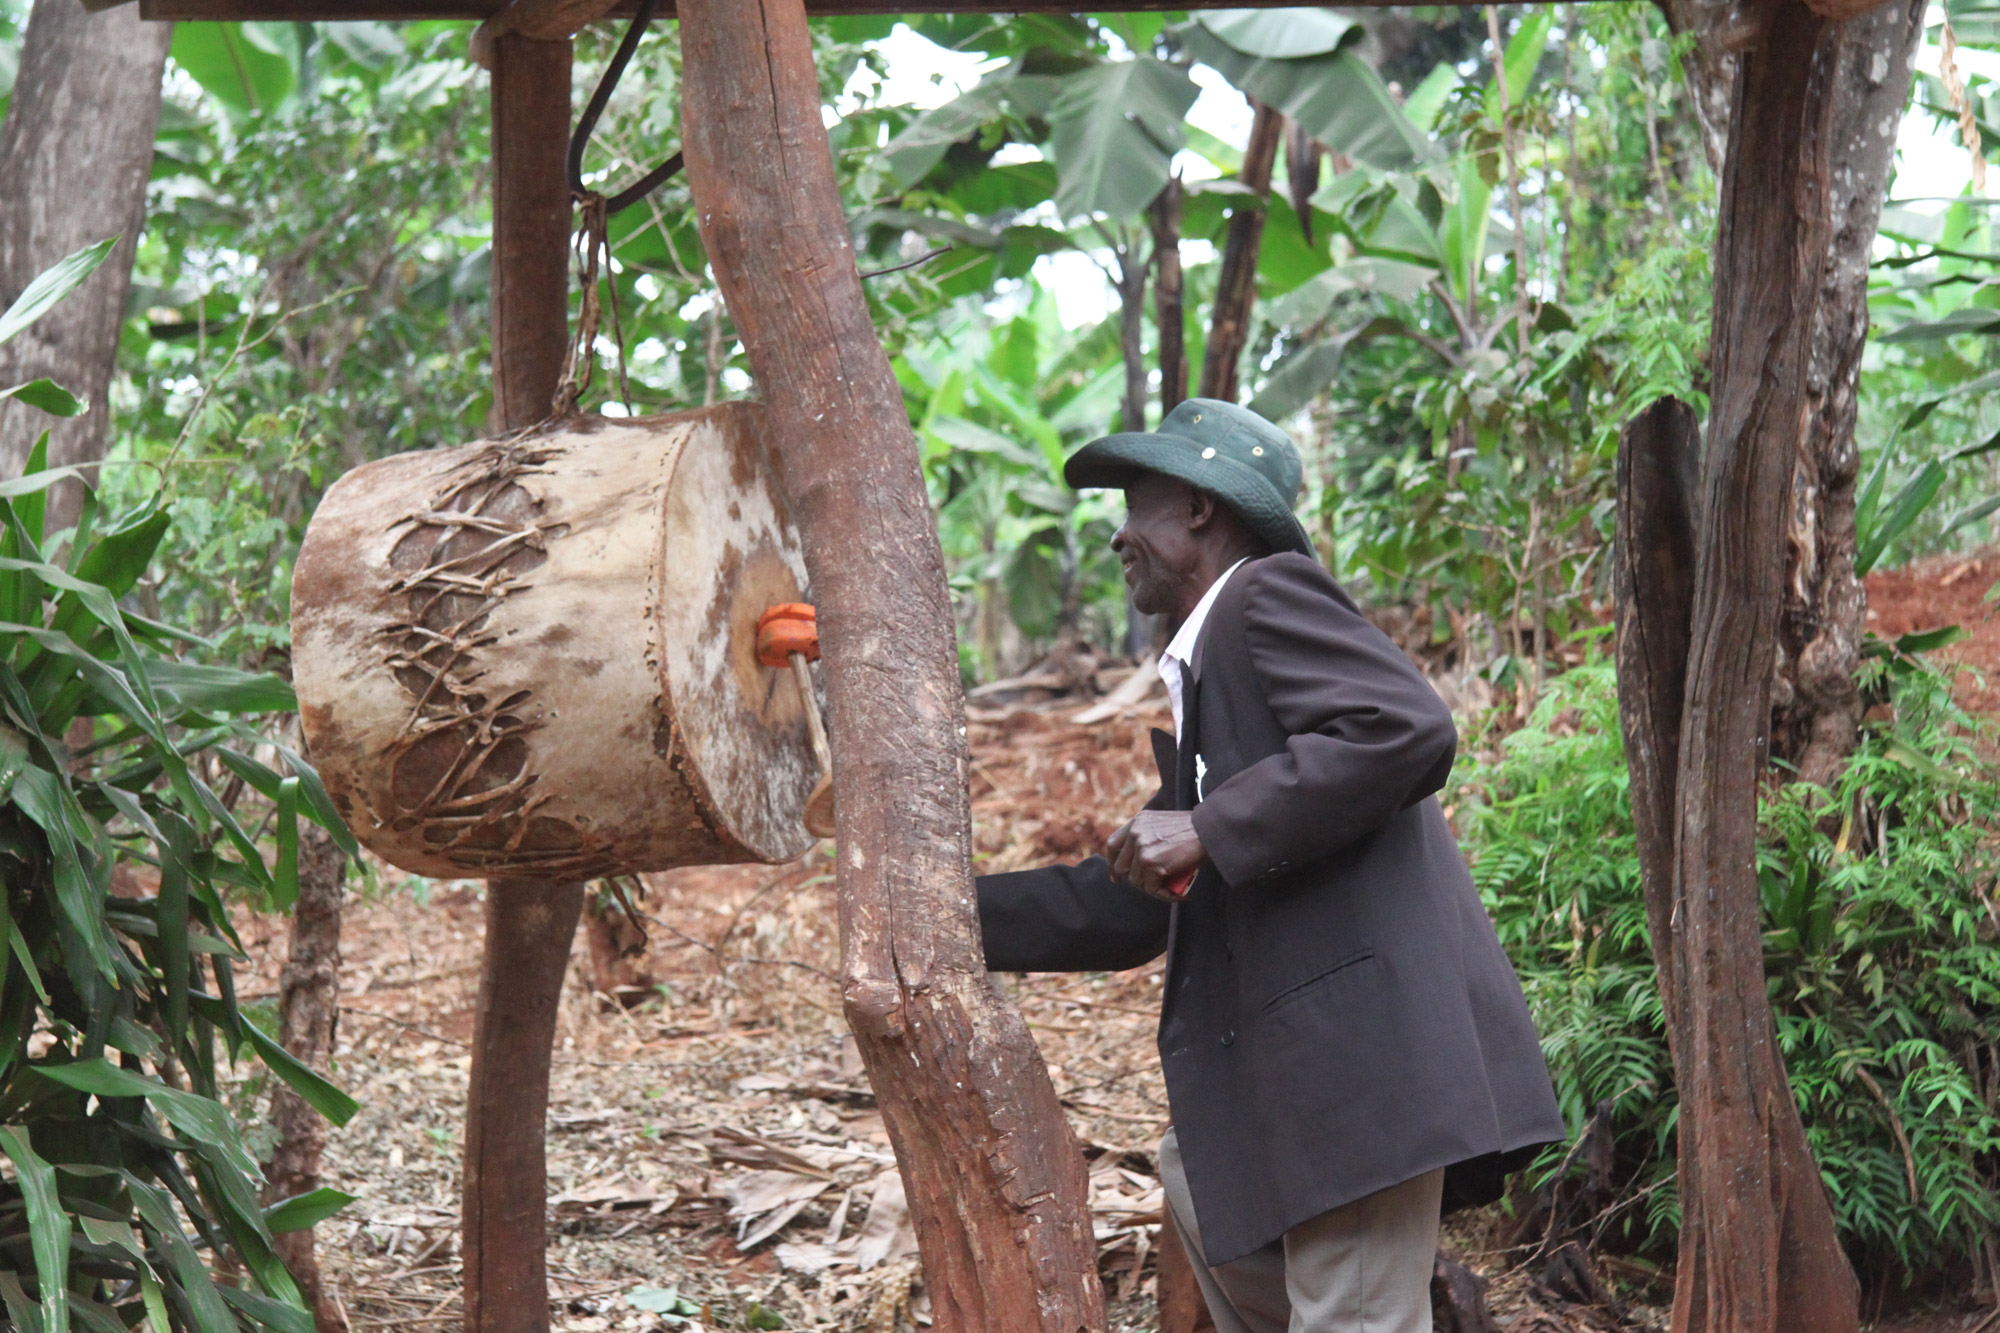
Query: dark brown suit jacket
{"points": [[1338, 1016]]}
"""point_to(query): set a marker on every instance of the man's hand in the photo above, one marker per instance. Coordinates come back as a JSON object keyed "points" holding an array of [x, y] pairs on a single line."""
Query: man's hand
{"points": [[1156, 852]]}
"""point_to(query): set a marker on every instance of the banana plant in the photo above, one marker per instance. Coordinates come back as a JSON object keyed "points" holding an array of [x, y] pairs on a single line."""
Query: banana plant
{"points": [[1302, 62], [118, 1010], [1442, 217], [997, 406], [1111, 123], [1417, 218], [247, 67]]}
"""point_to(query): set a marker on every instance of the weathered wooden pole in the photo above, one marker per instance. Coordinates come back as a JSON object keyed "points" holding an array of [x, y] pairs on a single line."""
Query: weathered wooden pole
{"points": [[529, 923], [994, 1178], [1701, 578], [308, 1000], [531, 216]]}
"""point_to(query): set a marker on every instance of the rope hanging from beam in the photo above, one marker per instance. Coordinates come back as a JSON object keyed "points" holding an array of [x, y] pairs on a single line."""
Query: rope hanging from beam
{"points": [[580, 140], [592, 243]]}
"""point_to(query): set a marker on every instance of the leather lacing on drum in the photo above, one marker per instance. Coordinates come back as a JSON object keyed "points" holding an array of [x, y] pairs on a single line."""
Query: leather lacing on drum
{"points": [[459, 766]]}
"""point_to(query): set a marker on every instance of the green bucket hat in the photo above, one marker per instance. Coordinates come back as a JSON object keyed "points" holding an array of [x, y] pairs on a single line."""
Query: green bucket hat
{"points": [[1226, 450]]}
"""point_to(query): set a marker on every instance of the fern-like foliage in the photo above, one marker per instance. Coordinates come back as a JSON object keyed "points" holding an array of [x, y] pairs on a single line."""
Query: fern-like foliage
{"points": [[1881, 923]]}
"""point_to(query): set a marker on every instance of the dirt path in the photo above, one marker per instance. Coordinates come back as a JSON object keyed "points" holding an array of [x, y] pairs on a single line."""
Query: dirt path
{"points": [[715, 1095], [1946, 590], [713, 1147]]}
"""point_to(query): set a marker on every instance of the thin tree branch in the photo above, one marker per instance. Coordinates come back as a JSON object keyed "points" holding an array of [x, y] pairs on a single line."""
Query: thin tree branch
{"points": [[898, 268]]}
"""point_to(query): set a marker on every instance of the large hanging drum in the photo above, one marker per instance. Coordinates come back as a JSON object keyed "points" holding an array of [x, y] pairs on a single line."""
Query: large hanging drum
{"points": [[536, 656]]}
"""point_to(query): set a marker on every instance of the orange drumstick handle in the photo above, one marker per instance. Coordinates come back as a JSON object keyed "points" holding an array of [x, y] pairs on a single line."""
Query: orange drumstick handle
{"points": [[788, 635], [787, 628]]}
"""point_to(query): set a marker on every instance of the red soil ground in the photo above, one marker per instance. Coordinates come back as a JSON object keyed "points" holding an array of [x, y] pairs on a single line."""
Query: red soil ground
{"points": [[1946, 590]]}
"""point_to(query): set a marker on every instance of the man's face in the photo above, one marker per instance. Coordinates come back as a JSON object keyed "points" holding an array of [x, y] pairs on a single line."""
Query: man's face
{"points": [[1157, 542]]}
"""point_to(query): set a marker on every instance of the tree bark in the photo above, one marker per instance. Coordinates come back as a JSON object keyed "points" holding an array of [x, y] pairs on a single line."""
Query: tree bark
{"points": [[1653, 569], [308, 1008], [1721, 29], [529, 927], [1761, 1254], [531, 217], [1183, 1309], [76, 152], [1458, 1298], [1653, 579], [1817, 706], [995, 1181], [1818, 713], [1132, 275], [1236, 288], [530, 924], [1169, 295]]}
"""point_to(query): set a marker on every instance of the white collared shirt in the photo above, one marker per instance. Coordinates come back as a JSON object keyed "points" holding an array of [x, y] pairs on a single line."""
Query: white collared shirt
{"points": [[1180, 652]]}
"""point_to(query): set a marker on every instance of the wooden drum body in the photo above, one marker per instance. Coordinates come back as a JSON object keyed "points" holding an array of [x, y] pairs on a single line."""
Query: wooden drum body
{"points": [[537, 656]]}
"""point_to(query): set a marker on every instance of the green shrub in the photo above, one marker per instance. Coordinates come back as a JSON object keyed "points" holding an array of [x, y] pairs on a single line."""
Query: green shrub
{"points": [[125, 1165], [1880, 931]]}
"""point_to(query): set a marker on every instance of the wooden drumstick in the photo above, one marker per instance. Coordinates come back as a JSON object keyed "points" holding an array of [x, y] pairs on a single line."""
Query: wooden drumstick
{"points": [[788, 633]]}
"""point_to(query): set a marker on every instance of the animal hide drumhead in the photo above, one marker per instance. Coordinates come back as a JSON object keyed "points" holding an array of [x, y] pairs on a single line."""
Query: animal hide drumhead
{"points": [[536, 656]]}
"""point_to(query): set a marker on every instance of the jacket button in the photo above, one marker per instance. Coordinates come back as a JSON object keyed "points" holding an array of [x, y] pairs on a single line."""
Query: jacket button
{"points": [[1229, 1036]]}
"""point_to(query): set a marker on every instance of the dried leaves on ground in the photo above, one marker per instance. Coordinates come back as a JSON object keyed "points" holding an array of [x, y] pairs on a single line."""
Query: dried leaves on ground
{"points": [[716, 1160]]}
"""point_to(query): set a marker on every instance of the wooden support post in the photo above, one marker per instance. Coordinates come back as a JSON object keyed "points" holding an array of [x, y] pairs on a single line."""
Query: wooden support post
{"points": [[531, 214], [995, 1181], [529, 923], [1758, 1248], [529, 926]]}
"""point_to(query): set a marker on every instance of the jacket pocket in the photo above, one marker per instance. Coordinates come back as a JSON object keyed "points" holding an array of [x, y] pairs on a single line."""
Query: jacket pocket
{"points": [[1314, 982]]}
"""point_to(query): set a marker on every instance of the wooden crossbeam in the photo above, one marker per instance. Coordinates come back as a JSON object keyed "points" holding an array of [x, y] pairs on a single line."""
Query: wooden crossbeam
{"points": [[325, 11]]}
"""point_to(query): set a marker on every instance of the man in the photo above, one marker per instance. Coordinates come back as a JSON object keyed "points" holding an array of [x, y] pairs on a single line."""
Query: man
{"points": [[1346, 1049]]}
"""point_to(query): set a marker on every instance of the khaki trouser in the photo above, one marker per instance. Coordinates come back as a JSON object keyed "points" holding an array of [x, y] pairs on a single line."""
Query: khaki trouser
{"points": [[1365, 1267]]}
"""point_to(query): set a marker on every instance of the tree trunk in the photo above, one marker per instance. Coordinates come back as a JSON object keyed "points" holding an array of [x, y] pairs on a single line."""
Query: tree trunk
{"points": [[1169, 295], [1817, 707], [995, 1181], [1303, 155], [1183, 1309], [1721, 30], [76, 152], [1653, 560], [1145, 634], [1653, 576], [1818, 703], [530, 924], [308, 1000], [1132, 273], [1458, 1298], [1759, 1252], [1236, 288]]}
